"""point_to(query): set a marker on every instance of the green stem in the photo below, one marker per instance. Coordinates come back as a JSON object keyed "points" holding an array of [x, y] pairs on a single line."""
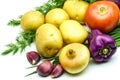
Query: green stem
{"points": [[34, 72], [32, 67]]}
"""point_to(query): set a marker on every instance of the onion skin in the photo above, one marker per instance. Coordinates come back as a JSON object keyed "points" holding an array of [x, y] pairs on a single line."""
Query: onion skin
{"points": [[33, 57], [45, 68], [57, 71]]}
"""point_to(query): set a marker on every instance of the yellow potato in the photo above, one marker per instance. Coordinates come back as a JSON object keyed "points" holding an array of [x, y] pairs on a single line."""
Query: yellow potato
{"points": [[73, 31], [56, 16], [48, 40], [76, 9], [31, 20]]}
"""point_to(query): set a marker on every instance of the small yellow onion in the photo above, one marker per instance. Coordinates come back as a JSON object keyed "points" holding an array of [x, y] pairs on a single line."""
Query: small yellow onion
{"points": [[74, 57]]}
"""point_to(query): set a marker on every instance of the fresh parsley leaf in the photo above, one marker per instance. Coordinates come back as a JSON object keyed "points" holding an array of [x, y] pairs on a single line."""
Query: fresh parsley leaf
{"points": [[23, 40], [14, 22], [50, 5]]}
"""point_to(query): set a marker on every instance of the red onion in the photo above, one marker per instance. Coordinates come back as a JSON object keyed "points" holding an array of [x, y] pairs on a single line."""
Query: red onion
{"points": [[57, 71], [33, 57], [45, 68]]}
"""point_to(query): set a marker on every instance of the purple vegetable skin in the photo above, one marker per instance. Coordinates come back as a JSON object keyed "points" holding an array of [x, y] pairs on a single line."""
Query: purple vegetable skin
{"points": [[117, 2], [33, 57], [57, 71], [45, 68], [102, 46]]}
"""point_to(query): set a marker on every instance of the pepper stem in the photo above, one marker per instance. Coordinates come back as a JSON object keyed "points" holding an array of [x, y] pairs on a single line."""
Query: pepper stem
{"points": [[105, 51]]}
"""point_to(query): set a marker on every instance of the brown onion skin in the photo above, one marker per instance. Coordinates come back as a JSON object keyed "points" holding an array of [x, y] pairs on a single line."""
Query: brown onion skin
{"points": [[45, 68]]}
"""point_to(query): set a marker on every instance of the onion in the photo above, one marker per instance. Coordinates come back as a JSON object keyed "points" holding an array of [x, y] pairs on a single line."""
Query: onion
{"points": [[45, 68], [57, 71], [33, 57]]}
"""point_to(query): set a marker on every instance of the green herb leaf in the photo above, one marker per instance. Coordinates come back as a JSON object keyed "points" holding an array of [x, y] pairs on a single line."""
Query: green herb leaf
{"points": [[14, 22], [23, 40], [11, 48], [31, 73], [32, 67], [116, 34], [50, 5], [56, 60], [7, 52]]}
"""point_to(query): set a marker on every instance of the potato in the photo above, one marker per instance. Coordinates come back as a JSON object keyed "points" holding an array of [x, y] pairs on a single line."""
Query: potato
{"points": [[76, 9], [72, 31], [31, 20], [48, 40], [56, 16]]}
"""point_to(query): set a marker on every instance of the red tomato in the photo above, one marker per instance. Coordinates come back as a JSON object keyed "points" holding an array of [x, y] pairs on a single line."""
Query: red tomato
{"points": [[102, 15]]}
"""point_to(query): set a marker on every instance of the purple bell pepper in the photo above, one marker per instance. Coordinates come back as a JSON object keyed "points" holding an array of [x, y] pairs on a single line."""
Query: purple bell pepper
{"points": [[102, 46]]}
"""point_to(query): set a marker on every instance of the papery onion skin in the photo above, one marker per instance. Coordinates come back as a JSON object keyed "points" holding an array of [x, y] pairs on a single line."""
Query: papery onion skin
{"points": [[33, 57], [57, 71], [45, 68]]}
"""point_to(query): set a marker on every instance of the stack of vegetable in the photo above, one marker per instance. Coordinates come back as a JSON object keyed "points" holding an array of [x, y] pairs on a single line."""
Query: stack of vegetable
{"points": [[60, 34]]}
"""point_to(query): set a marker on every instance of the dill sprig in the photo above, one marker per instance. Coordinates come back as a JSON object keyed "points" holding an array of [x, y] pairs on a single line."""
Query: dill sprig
{"points": [[23, 40], [50, 5]]}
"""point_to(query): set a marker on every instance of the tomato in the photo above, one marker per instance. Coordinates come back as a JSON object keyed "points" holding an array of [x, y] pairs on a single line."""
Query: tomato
{"points": [[102, 15]]}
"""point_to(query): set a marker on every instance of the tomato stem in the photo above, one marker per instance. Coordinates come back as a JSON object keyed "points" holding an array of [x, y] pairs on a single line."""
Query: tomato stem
{"points": [[102, 10]]}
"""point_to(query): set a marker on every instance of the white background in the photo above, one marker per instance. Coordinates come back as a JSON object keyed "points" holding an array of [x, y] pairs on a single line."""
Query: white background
{"points": [[14, 67]]}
